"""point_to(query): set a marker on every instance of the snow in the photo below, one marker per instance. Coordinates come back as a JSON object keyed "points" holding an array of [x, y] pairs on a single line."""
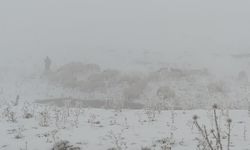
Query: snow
{"points": [[93, 128], [100, 129]]}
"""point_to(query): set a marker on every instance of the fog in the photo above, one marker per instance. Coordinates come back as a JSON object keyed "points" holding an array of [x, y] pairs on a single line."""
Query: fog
{"points": [[124, 74], [116, 34]]}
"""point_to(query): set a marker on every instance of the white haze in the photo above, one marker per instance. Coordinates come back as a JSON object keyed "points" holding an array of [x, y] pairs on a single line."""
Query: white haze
{"points": [[117, 33]]}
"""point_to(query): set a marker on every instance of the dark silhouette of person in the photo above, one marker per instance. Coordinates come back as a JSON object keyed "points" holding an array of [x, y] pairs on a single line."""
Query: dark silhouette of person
{"points": [[47, 64]]}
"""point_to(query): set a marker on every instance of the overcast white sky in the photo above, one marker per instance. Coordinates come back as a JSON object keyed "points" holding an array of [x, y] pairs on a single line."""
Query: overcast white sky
{"points": [[88, 29]]}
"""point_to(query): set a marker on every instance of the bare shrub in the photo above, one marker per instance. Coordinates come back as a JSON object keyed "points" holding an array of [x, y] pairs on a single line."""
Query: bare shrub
{"points": [[64, 145], [118, 141], [44, 118], [165, 143], [145, 148], [212, 139], [9, 114]]}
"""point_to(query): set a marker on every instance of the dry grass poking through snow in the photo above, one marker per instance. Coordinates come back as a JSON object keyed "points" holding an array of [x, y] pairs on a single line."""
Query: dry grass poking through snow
{"points": [[33, 126]]}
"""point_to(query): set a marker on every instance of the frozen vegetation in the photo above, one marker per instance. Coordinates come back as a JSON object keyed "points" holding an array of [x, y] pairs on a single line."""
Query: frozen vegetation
{"points": [[124, 75], [31, 126], [82, 106]]}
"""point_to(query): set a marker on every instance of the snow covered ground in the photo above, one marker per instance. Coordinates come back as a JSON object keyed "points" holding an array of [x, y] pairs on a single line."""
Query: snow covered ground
{"points": [[124, 75], [35, 126], [100, 129]]}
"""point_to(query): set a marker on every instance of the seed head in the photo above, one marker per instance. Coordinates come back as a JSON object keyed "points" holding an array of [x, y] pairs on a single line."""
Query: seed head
{"points": [[212, 130], [215, 106], [195, 117], [229, 120]]}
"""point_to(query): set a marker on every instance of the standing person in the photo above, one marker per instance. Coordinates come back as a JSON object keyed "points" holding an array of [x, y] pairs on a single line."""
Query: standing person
{"points": [[17, 100], [47, 65]]}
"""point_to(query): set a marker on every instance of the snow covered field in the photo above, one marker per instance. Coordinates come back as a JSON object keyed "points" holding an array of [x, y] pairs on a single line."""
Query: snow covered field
{"points": [[124, 75], [39, 127], [38, 123]]}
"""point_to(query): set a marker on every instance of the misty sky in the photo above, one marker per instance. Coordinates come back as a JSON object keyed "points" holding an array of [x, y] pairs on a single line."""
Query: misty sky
{"points": [[90, 30]]}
